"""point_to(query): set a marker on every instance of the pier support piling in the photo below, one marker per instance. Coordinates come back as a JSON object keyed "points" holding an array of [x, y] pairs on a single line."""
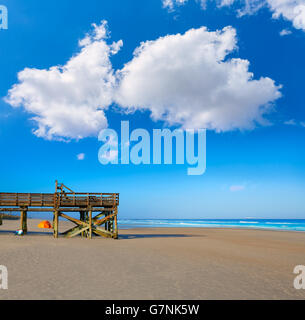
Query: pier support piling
{"points": [[55, 224], [90, 224], [23, 220]]}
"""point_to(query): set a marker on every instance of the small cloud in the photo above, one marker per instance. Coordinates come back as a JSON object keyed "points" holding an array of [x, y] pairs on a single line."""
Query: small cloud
{"points": [[290, 122], [285, 32], [171, 4], [235, 188], [80, 156]]}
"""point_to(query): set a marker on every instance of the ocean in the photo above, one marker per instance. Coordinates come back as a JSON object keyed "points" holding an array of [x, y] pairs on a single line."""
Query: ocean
{"points": [[272, 224]]}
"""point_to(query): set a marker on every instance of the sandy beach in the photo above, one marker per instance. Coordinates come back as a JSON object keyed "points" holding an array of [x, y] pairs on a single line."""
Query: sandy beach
{"points": [[155, 263]]}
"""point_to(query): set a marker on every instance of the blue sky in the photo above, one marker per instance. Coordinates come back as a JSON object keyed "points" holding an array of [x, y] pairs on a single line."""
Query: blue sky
{"points": [[257, 172]]}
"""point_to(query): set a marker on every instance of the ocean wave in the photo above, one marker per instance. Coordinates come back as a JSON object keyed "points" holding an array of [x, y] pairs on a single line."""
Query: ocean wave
{"points": [[282, 223], [248, 222]]}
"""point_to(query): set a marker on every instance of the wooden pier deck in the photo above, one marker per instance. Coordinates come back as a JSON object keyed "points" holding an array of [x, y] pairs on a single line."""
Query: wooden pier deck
{"points": [[63, 201]]}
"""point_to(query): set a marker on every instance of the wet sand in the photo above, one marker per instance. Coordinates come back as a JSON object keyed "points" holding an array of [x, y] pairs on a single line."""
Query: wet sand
{"points": [[154, 263]]}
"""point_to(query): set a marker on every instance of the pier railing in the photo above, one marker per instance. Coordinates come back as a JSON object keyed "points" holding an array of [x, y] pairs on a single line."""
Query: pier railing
{"points": [[57, 200]]}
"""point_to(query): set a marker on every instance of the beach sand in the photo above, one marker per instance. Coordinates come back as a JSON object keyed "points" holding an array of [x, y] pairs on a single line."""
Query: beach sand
{"points": [[154, 263]]}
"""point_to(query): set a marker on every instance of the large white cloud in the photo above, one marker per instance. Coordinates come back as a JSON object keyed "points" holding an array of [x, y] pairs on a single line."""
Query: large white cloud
{"points": [[189, 80], [183, 79], [292, 10], [68, 101]]}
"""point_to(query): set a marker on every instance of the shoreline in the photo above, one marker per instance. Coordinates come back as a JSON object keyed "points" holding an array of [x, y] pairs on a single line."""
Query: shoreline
{"points": [[127, 226]]}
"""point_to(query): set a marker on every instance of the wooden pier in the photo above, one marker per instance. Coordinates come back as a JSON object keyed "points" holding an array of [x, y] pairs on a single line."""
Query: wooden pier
{"points": [[97, 211]]}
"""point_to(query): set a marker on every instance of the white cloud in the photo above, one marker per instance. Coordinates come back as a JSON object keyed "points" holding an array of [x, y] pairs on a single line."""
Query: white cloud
{"points": [[170, 4], [235, 188], [80, 156], [188, 80], [292, 10], [249, 6], [68, 102], [285, 32], [290, 122], [223, 3]]}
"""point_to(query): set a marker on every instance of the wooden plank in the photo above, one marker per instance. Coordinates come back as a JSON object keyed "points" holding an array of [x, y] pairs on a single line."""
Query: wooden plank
{"points": [[104, 220], [76, 221], [75, 231], [52, 200], [99, 215], [102, 232], [12, 208]]}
